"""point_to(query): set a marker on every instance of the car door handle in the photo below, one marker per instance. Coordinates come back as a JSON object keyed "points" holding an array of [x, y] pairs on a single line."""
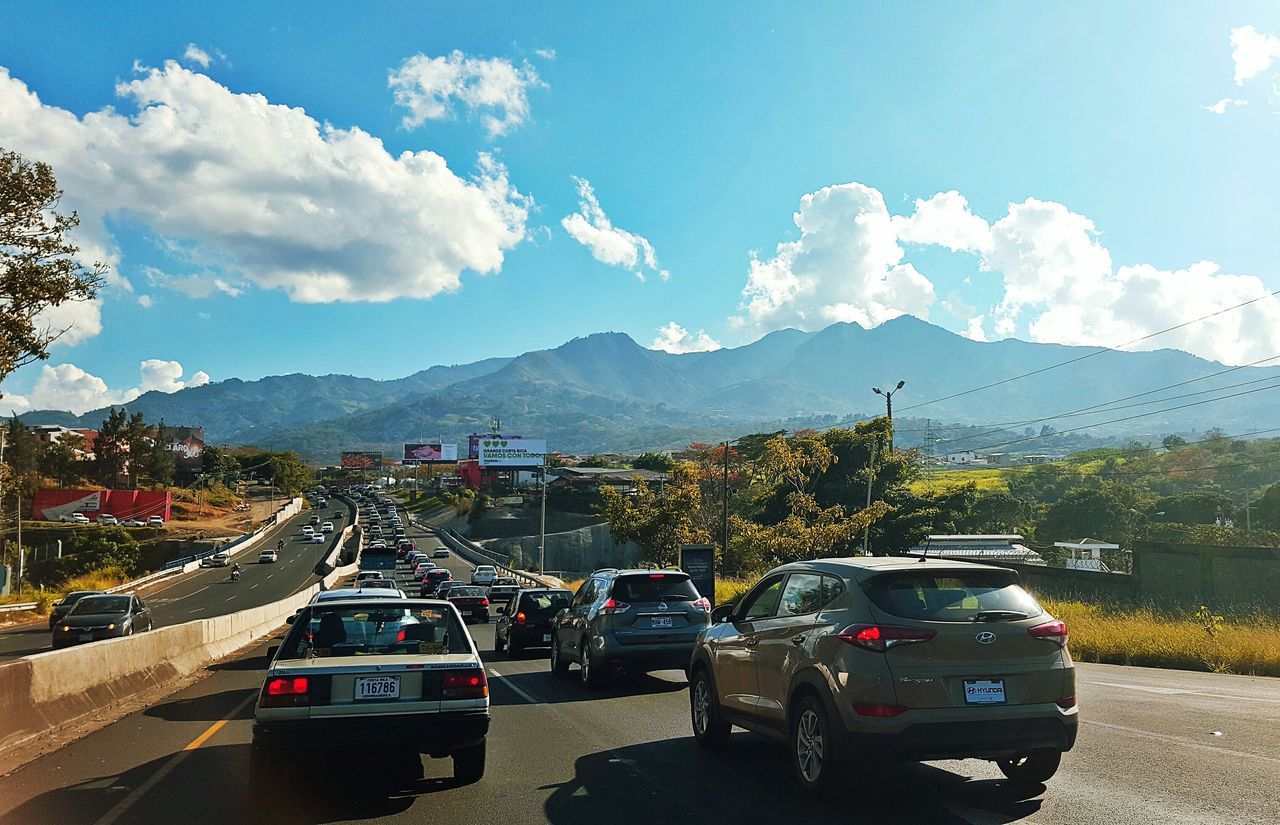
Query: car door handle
{"points": [[797, 640]]}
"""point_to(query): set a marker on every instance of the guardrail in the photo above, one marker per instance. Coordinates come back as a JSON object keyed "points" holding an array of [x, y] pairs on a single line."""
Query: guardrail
{"points": [[129, 585], [475, 554]]}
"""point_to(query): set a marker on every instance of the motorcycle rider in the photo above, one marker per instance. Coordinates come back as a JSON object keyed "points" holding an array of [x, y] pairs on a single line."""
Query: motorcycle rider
{"points": [[280, 544], [235, 572]]}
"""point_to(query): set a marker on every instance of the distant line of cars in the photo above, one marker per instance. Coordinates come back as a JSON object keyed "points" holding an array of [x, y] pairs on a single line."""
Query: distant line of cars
{"points": [[108, 520]]}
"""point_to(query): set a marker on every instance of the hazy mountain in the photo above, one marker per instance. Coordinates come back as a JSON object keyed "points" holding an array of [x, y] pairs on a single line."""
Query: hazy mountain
{"points": [[605, 391]]}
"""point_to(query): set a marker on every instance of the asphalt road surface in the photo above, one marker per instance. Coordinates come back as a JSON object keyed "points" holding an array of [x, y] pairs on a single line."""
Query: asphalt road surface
{"points": [[208, 591], [1155, 747]]}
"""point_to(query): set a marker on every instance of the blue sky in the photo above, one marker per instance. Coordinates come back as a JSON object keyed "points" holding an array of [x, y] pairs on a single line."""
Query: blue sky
{"points": [[699, 130]]}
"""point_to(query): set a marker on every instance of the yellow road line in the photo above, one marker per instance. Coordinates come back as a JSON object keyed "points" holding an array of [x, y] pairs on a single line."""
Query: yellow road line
{"points": [[204, 737]]}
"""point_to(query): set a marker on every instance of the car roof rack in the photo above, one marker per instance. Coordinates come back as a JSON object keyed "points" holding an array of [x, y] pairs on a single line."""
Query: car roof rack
{"points": [[604, 570]]}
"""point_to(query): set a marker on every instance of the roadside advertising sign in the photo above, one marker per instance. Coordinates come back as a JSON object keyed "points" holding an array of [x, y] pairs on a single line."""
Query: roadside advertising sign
{"points": [[699, 561], [356, 460], [512, 452], [430, 453]]}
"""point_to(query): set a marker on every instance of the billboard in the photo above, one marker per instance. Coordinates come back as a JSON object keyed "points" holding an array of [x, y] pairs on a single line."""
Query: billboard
{"points": [[52, 505], [473, 442], [428, 453], [187, 446], [498, 451], [355, 460]]}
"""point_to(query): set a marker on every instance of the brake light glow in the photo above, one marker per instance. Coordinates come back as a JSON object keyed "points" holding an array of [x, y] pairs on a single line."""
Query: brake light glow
{"points": [[484, 602], [284, 692], [520, 617], [879, 710], [1055, 632], [704, 603], [880, 638], [657, 575], [464, 684], [615, 606], [400, 636]]}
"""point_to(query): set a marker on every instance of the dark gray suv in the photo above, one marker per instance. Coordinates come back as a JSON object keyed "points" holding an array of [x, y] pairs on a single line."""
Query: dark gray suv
{"points": [[629, 620]]}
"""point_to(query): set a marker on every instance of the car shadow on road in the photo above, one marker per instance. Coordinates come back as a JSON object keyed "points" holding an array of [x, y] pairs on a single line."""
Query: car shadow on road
{"points": [[548, 688], [208, 708], [750, 781]]}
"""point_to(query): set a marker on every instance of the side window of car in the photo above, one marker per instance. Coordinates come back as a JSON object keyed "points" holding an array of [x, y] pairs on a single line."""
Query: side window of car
{"points": [[138, 605], [802, 594], [583, 596], [832, 589], [761, 601]]}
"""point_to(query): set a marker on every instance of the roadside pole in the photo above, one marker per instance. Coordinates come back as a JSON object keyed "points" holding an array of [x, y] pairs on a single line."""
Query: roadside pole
{"points": [[724, 516], [22, 556], [542, 522], [871, 476]]}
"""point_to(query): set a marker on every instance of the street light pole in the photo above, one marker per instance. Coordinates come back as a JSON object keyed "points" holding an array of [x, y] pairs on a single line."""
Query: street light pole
{"points": [[888, 400], [542, 522], [724, 524], [871, 477]]}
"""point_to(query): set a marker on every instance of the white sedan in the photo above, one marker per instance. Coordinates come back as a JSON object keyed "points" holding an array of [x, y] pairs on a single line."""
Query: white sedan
{"points": [[327, 527], [316, 538]]}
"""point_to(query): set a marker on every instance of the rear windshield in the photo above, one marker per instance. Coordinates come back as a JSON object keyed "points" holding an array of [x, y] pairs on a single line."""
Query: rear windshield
{"points": [[93, 605], [454, 592], [952, 596], [373, 630], [654, 587], [537, 606]]}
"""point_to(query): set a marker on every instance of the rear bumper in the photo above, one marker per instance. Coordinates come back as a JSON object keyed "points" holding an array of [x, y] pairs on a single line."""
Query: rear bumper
{"points": [[438, 734], [979, 739], [640, 658], [526, 636]]}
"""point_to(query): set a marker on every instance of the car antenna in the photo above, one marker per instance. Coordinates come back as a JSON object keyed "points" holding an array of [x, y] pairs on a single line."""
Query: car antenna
{"points": [[925, 554]]}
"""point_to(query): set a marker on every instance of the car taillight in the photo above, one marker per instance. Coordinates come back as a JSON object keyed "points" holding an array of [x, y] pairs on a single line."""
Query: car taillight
{"points": [[704, 603], [520, 617], [879, 710], [484, 602], [881, 637], [614, 606], [464, 684], [400, 636], [1055, 632], [1067, 703], [284, 692]]}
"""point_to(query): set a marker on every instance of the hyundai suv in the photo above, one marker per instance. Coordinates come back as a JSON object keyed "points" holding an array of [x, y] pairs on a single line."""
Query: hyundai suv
{"points": [[889, 658], [630, 620]]}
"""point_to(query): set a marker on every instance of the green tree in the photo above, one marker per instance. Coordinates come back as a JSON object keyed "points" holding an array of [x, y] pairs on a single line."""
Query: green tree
{"points": [[138, 443], [597, 460], [1192, 508], [39, 268], [112, 448], [1173, 442], [999, 513], [658, 462], [21, 459], [1267, 514], [658, 521], [161, 463], [63, 459], [1097, 512]]}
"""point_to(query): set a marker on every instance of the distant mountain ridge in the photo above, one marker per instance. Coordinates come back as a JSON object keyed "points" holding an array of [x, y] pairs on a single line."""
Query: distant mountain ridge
{"points": [[606, 392]]}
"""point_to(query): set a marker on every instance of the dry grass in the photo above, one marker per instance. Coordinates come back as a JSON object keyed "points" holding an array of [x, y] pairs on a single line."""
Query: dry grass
{"points": [[97, 580], [1139, 636], [988, 480]]}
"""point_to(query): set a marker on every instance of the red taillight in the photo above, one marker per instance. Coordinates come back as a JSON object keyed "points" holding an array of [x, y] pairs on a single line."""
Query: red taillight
{"points": [[284, 692], [879, 710], [520, 617], [614, 606], [1055, 632], [400, 636], [484, 602], [1067, 703], [880, 637], [464, 684], [657, 575], [704, 603]]}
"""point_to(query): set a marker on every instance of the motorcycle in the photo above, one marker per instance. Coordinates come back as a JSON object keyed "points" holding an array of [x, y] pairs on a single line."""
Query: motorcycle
{"points": [[235, 576]]}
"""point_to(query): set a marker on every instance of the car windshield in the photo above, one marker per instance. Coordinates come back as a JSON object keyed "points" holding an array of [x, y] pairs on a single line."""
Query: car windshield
{"points": [[952, 595], [373, 630], [465, 592], [654, 587], [72, 598], [538, 606], [100, 605]]}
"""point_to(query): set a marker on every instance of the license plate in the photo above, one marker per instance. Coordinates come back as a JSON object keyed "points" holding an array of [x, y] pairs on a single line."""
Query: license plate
{"points": [[378, 687], [984, 691], [546, 638], [466, 612], [86, 637], [661, 621]]}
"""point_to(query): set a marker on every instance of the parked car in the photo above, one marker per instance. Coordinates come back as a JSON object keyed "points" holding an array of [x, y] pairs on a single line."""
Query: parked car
{"points": [[155, 521], [103, 616], [133, 522], [391, 675], [527, 620], [636, 620], [108, 519], [484, 575], [908, 659], [268, 556], [63, 606], [432, 579], [471, 602], [75, 518]]}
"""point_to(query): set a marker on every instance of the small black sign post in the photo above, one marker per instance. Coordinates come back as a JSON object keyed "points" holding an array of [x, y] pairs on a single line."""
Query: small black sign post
{"points": [[699, 561]]}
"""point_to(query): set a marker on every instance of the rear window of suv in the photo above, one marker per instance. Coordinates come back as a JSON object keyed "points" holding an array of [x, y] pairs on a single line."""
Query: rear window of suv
{"points": [[539, 606], [654, 587], [952, 596]]}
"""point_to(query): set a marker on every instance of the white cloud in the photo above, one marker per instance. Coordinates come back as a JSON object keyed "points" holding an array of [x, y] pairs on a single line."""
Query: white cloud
{"points": [[68, 387], [1253, 52], [1222, 105], [427, 87], [591, 227], [195, 54], [545, 54], [197, 286], [846, 266], [73, 321], [975, 330], [944, 220], [146, 301], [676, 339], [275, 197]]}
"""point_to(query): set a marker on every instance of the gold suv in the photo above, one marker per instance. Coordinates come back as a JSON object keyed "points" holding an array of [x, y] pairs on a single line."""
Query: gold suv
{"points": [[889, 658]]}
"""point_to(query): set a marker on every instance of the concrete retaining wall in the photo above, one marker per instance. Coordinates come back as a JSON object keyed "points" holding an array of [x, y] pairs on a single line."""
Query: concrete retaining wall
{"points": [[583, 550]]}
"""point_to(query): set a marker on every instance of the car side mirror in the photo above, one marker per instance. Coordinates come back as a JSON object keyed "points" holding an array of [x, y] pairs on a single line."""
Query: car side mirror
{"points": [[722, 614], [289, 619]]}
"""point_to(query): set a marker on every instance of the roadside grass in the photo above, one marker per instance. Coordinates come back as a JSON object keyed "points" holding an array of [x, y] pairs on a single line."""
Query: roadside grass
{"points": [[990, 480], [1146, 638], [44, 599]]}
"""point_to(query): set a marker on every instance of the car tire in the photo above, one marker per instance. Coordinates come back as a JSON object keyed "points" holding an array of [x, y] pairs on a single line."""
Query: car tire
{"points": [[559, 664], [498, 644], [590, 671], [812, 745], [468, 764], [710, 730], [1034, 768]]}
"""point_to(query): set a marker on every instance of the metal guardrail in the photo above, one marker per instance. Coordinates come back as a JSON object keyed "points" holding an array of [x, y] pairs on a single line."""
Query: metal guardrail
{"points": [[470, 551], [14, 608]]}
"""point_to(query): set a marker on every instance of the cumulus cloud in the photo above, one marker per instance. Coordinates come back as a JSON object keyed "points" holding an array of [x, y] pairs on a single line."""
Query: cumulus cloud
{"points": [[608, 244], [274, 196], [72, 321], [676, 339], [545, 54], [428, 86], [195, 54], [1253, 52], [146, 301], [944, 220], [975, 330], [846, 266], [68, 387], [1222, 105]]}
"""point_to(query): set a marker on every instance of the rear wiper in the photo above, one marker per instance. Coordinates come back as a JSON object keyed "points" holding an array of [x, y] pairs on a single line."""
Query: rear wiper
{"points": [[675, 597], [997, 615]]}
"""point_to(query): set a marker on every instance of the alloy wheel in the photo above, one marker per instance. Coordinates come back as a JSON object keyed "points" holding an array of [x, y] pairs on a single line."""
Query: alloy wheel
{"points": [[809, 746]]}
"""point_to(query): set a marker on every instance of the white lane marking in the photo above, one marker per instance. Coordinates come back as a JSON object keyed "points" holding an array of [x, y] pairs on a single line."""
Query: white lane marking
{"points": [[1175, 740], [1170, 691], [229, 598], [252, 586], [156, 778], [180, 598]]}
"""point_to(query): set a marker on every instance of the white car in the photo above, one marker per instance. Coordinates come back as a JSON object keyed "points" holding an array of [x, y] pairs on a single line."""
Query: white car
{"points": [[379, 674], [317, 538], [268, 556], [484, 575], [327, 527], [368, 576], [133, 522], [155, 521], [341, 593], [440, 553], [75, 518], [108, 519], [307, 529], [219, 560]]}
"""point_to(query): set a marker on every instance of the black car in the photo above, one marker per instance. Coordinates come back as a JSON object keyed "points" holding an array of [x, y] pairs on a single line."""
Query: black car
{"points": [[102, 616], [526, 621], [337, 514], [63, 607], [433, 579]]}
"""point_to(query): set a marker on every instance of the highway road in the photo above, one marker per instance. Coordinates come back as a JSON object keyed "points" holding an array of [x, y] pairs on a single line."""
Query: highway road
{"points": [[1155, 747], [209, 591]]}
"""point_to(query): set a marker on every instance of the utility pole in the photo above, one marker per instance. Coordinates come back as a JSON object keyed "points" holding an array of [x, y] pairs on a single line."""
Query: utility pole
{"points": [[542, 525], [888, 400], [871, 476], [724, 522], [22, 556], [1248, 522]]}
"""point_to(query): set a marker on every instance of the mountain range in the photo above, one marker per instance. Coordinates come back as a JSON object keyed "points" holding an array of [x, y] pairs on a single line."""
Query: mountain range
{"points": [[605, 392]]}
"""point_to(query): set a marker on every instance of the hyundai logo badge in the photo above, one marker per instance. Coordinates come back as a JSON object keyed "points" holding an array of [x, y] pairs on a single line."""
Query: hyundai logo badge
{"points": [[986, 637]]}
